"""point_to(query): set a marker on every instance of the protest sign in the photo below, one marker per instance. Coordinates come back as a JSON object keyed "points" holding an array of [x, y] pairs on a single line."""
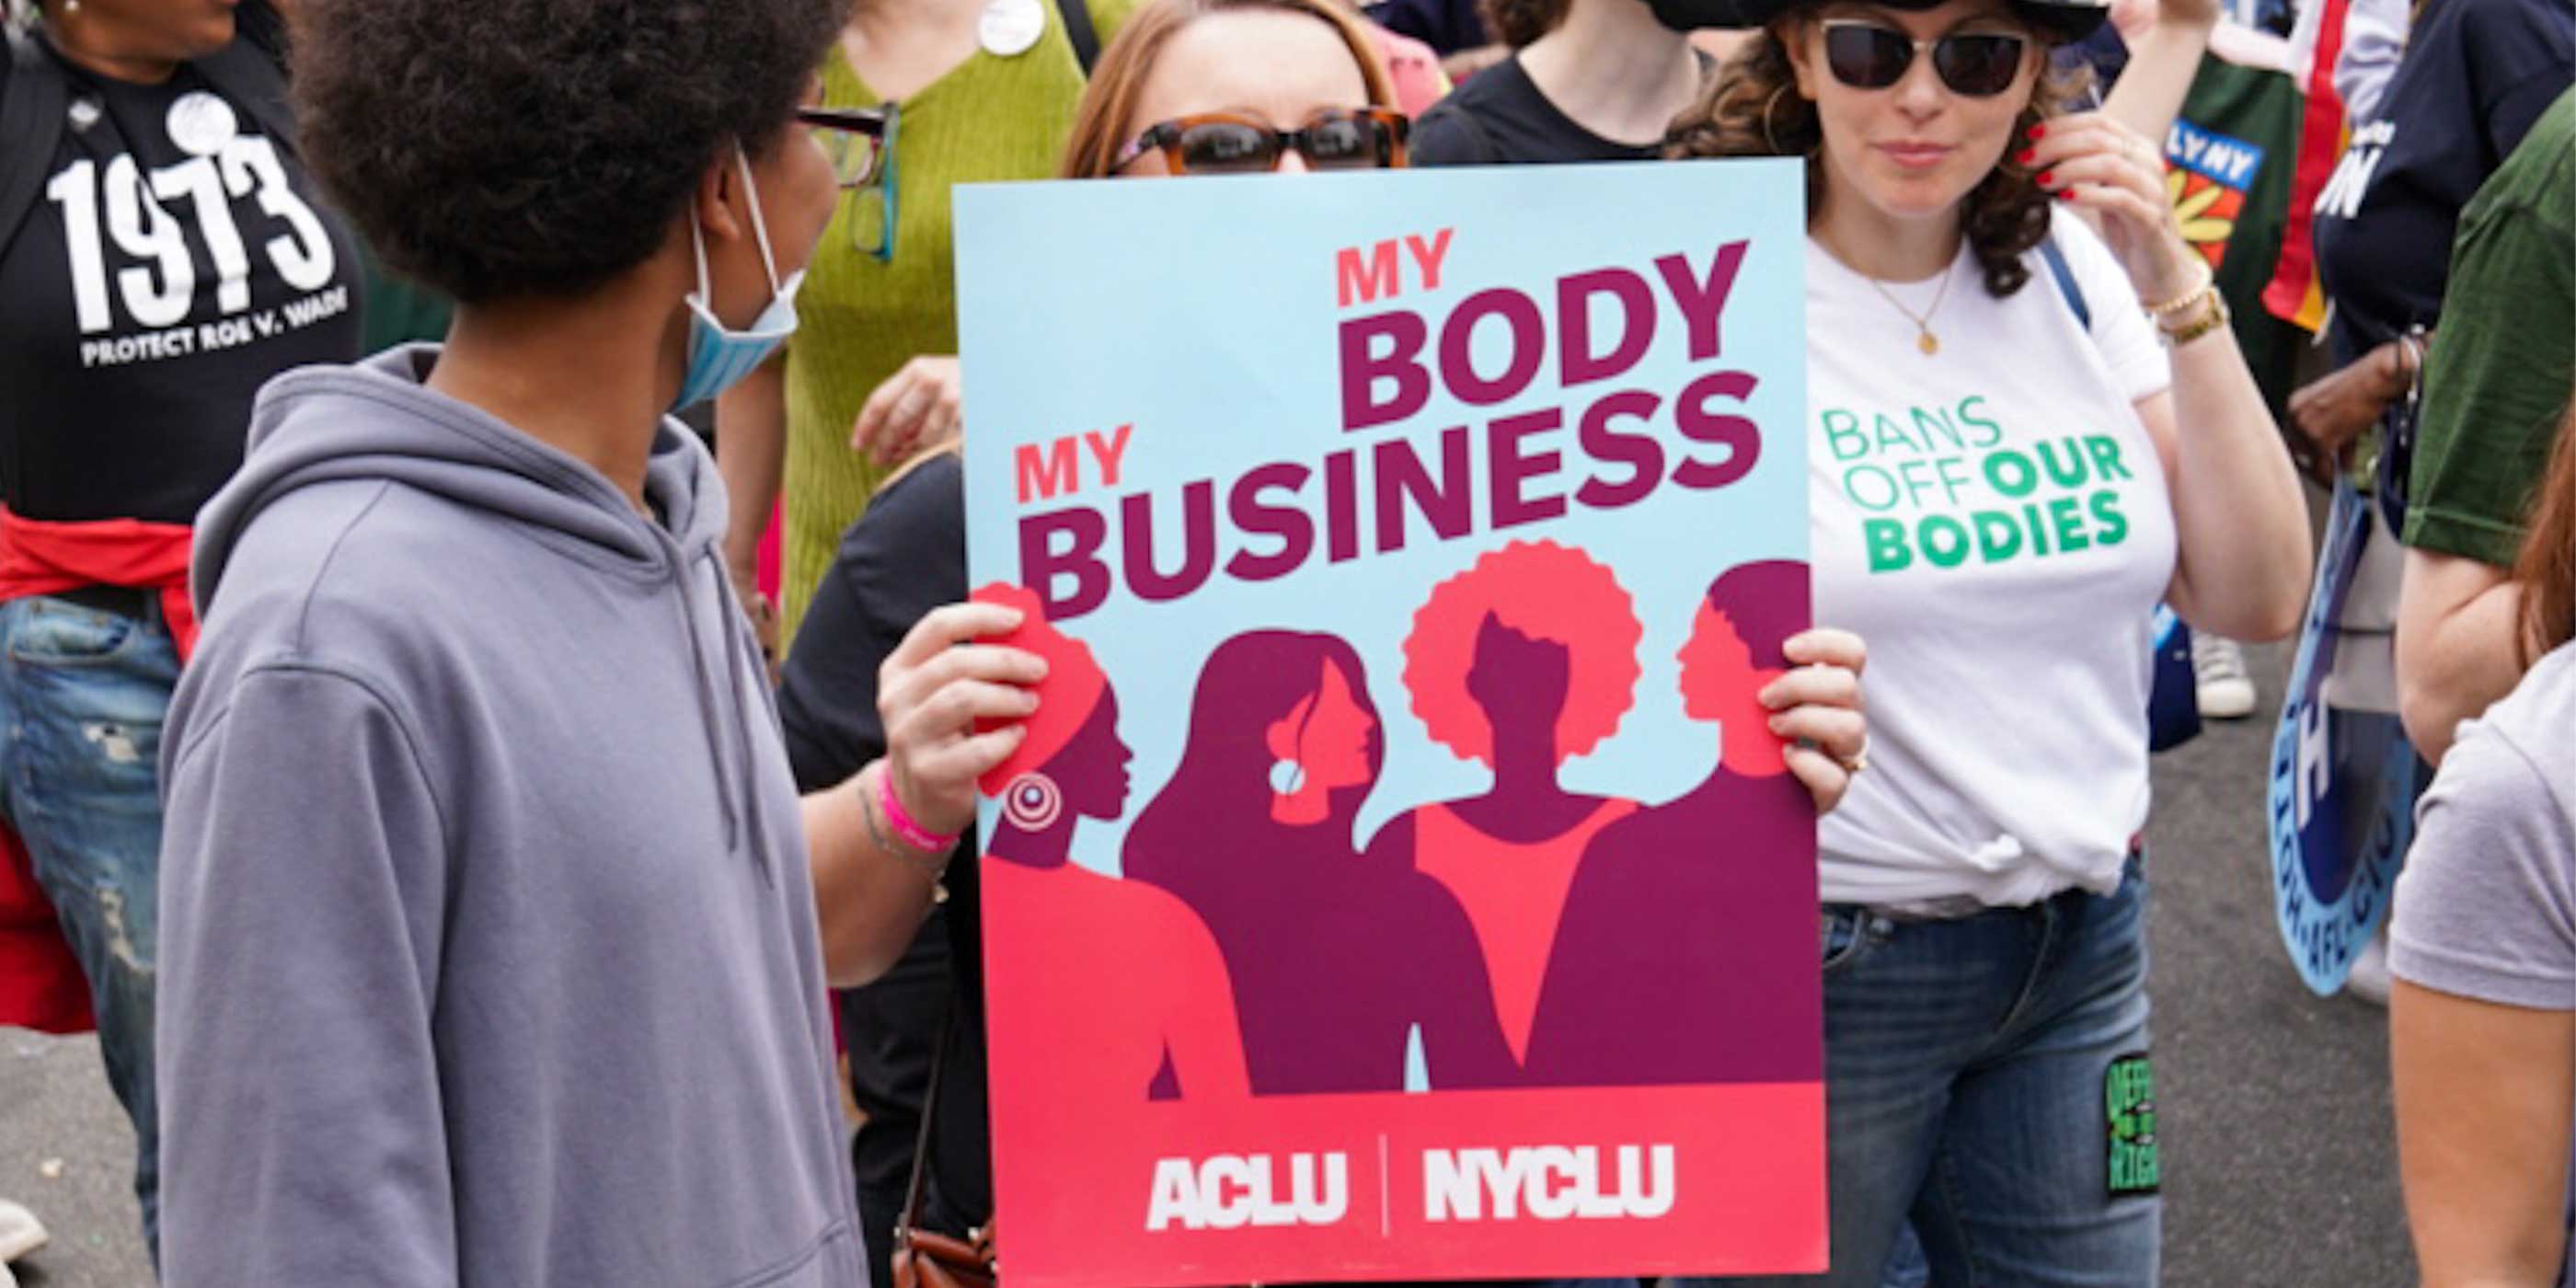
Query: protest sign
{"points": [[2343, 778], [1394, 881]]}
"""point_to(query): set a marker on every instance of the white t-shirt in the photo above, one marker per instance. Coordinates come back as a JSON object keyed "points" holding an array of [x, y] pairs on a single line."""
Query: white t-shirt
{"points": [[1993, 520]]}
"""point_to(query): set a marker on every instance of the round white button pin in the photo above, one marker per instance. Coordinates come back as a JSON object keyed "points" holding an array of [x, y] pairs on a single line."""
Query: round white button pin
{"points": [[201, 124], [1008, 28]]}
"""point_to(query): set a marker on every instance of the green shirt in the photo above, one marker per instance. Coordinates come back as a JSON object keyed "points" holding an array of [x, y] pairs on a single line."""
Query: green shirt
{"points": [[2501, 366], [399, 310], [859, 319]]}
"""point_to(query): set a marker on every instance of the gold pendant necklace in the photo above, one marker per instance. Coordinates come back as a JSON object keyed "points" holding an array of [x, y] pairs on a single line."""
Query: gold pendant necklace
{"points": [[1924, 340]]}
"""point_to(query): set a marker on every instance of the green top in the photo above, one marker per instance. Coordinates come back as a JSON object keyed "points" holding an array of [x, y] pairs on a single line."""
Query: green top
{"points": [[398, 310], [2501, 366], [859, 319]]}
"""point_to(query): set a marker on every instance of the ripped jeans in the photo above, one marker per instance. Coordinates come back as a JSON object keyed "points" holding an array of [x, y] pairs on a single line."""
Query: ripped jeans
{"points": [[82, 698]]}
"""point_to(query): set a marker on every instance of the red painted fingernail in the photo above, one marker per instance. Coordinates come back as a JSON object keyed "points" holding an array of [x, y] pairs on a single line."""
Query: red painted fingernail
{"points": [[2027, 156], [2038, 130], [2045, 176], [2066, 195]]}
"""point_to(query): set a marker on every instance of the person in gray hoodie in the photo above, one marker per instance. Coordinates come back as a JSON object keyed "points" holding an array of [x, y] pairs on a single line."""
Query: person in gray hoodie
{"points": [[496, 938]]}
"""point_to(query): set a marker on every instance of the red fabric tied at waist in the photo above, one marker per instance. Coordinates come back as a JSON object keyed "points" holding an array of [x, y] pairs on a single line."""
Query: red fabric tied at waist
{"points": [[41, 985], [42, 558]]}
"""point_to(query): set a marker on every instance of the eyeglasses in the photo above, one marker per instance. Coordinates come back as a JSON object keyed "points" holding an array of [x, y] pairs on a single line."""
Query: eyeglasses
{"points": [[853, 137], [1866, 55], [860, 143], [1229, 143]]}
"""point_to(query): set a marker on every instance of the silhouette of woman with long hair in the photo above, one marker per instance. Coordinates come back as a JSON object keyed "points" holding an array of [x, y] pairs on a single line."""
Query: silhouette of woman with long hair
{"points": [[1687, 953], [1524, 661], [1335, 961], [1117, 971]]}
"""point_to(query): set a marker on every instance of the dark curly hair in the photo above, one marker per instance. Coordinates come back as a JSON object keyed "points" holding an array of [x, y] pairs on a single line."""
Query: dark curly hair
{"points": [[521, 148], [1752, 108], [1518, 22]]}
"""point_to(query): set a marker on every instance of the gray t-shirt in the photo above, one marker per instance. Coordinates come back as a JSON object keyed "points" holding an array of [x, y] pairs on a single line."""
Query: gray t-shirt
{"points": [[2486, 907]]}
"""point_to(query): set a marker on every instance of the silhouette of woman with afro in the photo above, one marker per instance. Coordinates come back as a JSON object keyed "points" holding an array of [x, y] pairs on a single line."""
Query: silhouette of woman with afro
{"points": [[1335, 961], [1523, 662]]}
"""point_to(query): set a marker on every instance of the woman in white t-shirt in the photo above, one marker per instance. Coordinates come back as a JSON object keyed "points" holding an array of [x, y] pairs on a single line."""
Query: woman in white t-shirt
{"points": [[2014, 460]]}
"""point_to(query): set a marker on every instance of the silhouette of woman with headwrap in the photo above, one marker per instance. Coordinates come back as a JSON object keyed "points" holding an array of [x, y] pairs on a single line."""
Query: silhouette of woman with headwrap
{"points": [[1687, 953], [1335, 961], [1524, 662], [1117, 971]]}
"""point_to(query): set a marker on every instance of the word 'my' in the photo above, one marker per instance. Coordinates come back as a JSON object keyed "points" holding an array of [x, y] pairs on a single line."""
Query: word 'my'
{"points": [[1057, 468], [1363, 281]]}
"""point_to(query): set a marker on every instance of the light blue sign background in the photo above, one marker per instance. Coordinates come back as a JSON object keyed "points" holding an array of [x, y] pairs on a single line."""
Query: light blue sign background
{"points": [[1204, 311]]}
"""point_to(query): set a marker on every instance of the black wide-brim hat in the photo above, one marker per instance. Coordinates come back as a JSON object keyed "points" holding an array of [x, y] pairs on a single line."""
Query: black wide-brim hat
{"points": [[2067, 21]]}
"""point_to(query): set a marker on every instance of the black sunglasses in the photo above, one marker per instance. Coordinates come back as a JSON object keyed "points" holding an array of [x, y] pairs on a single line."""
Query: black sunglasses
{"points": [[1868, 55], [1226, 143]]}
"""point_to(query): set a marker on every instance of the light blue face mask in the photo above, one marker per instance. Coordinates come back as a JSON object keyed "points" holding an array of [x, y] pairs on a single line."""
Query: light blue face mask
{"points": [[719, 355]]}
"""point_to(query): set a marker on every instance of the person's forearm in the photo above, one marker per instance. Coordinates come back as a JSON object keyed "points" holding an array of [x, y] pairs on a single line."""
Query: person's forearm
{"points": [[2482, 1093], [2458, 621], [2161, 66], [751, 454], [869, 898], [2237, 506]]}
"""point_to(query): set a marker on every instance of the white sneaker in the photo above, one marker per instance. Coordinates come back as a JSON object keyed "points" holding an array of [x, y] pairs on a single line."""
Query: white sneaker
{"points": [[20, 1233], [2224, 690], [2368, 979]]}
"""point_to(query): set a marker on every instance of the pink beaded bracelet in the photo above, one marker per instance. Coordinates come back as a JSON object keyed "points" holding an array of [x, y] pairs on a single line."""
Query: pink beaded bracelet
{"points": [[912, 832]]}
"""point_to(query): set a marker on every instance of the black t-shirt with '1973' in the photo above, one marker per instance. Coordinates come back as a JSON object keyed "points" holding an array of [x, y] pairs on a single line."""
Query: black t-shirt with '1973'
{"points": [[173, 261]]}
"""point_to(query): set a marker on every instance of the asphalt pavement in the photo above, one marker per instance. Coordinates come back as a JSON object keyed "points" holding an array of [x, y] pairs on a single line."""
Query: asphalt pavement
{"points": [[2280, 1164]]}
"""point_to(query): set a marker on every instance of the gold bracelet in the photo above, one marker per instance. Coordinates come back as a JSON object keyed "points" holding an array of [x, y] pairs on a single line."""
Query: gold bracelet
{"points": [[2213, 317], [2206, 278]]}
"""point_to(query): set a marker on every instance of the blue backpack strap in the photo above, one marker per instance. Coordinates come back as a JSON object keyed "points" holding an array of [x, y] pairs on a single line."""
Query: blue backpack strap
{"points": [[2065, 276], [32, 100]]}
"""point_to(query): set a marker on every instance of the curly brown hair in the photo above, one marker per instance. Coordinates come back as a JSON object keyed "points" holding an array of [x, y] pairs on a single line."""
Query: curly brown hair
{"points": [[1752, 108], [1518, 22]]}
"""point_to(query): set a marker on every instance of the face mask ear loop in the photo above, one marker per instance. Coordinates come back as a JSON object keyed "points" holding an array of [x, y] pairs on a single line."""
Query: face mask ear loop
{"points": [[759, 226], [698, 239]]}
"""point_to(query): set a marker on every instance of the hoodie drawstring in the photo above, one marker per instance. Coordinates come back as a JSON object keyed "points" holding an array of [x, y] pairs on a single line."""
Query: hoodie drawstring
{"points": [[734, 624], [711, 704]]}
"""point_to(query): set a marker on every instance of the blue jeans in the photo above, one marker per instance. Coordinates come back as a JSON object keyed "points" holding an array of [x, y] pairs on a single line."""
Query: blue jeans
{"points": [[1965, 1069], [83, 700]]}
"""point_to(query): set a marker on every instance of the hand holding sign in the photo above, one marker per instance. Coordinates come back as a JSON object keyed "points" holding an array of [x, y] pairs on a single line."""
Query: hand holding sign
{"points": [[931, 692], [1819, 705]]}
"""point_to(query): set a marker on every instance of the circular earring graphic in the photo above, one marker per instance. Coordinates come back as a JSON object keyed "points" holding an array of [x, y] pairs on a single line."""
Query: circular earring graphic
{"points": [[1287, 777], [1032, 802]]}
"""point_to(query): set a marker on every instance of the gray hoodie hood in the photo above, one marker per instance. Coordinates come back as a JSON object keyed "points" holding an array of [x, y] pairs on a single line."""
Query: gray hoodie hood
{"points": [[488, 945], [376, 421]]}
